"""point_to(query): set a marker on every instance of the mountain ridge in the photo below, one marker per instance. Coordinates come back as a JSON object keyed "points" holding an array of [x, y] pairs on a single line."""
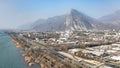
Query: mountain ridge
{"points": [[74, 20], [113, 19]]}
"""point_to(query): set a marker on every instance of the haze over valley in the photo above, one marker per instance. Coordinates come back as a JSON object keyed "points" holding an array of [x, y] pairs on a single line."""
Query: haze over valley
{"points": [[59, 34]]}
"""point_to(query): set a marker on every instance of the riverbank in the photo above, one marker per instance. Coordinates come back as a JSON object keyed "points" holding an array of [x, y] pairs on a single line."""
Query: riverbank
{"points": [[27, 59]]}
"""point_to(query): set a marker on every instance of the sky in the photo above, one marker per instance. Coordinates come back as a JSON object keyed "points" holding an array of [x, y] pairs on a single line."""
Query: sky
{"points": [[14, 13]]}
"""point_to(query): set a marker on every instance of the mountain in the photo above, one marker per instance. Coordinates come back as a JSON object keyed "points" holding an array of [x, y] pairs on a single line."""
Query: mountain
{"points": [[74, 20], [78, 21], [51, 24], [113, 20]]}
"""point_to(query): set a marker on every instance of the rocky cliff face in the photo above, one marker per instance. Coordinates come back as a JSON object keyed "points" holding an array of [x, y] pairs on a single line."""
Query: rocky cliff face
{"points": [[78, 21]]}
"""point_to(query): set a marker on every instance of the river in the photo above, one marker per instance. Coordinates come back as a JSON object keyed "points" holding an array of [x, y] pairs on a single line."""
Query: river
{"points": [[9, 54]]}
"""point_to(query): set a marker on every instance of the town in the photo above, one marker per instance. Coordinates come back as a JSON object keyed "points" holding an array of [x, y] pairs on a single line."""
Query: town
{"points": [[70, 49]]}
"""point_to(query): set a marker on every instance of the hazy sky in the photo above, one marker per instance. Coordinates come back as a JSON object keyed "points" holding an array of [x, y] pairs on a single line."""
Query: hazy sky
{"points": [[14, 13]]}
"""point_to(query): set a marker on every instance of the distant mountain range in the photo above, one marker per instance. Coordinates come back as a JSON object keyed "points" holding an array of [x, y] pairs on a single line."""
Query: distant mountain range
{"points": [[113, 20], [76, 20]]}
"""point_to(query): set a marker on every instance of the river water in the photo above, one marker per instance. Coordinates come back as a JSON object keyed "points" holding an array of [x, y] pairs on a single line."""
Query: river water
{"points": [[9, 54]]}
